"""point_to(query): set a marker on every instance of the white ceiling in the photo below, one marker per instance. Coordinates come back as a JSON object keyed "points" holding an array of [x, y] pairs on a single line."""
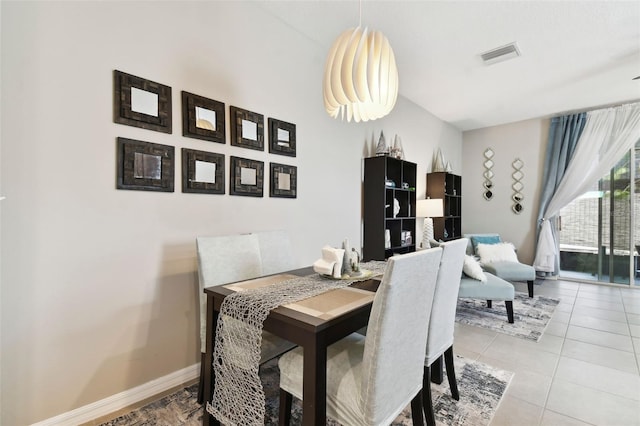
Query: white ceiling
{"points": [[576, 55]]}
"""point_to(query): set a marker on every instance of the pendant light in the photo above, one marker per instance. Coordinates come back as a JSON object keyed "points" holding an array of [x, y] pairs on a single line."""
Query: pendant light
{"points": [[360, 76]]}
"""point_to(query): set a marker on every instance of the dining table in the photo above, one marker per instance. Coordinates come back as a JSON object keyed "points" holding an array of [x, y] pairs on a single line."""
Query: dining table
{"points": [[313, 323]]}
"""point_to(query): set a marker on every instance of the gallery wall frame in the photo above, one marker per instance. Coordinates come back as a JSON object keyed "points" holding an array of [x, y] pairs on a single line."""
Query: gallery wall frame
{"points": [[203, 118], [282, 137], [202, 172], [246, 177], [141, 103], [247, 128], [144, 166], [283, 180]]}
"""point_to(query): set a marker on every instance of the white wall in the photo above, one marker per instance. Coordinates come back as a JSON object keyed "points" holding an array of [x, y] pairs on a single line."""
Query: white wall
{"points": [[526, 140], [98, 284]]}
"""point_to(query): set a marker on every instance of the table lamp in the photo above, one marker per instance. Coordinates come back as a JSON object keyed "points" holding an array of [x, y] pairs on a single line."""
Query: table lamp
{"points": [[429, 208]]}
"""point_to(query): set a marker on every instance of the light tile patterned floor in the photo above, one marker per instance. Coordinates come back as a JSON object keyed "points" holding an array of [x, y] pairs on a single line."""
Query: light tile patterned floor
{"points": [[585, 370]]}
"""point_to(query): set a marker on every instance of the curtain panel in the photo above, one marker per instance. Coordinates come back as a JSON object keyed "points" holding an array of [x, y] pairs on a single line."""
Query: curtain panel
{"points": [[607, 135]]}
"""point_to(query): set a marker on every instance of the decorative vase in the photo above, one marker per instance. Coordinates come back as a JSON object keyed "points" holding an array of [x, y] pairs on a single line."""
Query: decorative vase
{"points": [[438, 164], [397, 147], [381, 148]]}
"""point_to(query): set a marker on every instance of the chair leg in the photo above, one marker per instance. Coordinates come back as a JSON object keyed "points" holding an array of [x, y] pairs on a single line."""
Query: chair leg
{"points": [[451, 373], [489, 304], [530, 287], [509, 305], [436, 371], [285, 408], [427, 404], [416, 410], [201, 381]]}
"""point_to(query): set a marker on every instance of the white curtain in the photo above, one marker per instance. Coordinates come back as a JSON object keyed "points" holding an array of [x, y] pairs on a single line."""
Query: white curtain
{"points": [[608, 134]]}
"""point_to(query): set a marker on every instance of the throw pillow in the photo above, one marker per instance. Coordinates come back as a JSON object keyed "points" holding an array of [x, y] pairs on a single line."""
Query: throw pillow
{"points": [[484, 239], [497, 252], [472, 268]]}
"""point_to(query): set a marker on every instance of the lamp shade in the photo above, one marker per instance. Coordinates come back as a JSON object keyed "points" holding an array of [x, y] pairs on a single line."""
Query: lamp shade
{"points": [[360, 76], [431, 207]]}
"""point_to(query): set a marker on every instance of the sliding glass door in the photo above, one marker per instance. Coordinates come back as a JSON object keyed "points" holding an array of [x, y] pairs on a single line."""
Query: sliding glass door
{"points": [[598, 232]]}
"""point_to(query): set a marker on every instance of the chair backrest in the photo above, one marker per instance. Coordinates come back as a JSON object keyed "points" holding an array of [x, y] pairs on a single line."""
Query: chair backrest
{"points": [[445, 299], [471, 249], [397, 335], [222, 260], [275, 252]]}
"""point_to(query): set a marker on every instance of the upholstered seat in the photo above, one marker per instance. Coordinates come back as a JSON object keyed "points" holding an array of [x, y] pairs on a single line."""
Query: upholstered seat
{"points": [[372, 378], [230, 258], [507, 270], [441, 324], [493, 289]]}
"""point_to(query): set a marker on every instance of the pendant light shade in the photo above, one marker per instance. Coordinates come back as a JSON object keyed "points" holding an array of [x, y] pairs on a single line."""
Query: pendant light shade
{"points": [[360, 76]]}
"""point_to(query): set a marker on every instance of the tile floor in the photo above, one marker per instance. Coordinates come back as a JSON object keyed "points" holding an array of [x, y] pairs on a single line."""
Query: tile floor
{"points": [[585, 370]]}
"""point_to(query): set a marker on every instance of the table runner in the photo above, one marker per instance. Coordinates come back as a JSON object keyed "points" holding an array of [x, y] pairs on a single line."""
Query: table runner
{"points": [[238, 398]]}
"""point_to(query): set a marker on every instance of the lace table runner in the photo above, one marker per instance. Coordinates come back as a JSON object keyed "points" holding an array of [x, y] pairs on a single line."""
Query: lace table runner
{"points": [[238, 398]]}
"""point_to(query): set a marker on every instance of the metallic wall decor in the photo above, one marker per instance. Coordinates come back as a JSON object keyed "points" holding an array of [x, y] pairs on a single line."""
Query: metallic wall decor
{"points": [[145, 166], [488, 174], [517, 186], [141, 103]]}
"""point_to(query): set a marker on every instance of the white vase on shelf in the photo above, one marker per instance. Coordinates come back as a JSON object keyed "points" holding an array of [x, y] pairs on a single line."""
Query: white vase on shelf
{"points": [[438, 163]]}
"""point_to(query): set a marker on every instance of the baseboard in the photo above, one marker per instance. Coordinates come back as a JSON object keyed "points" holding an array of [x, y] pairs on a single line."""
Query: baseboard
{"points": [[123, 399]]}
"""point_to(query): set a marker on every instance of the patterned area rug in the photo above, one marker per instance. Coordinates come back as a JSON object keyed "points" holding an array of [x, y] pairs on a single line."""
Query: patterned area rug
{"points": [[530, 315], [481, 388]]}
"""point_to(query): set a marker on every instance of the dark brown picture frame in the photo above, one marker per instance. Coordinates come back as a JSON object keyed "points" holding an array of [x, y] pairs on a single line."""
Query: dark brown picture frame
{"points": [[190, 157], [145, 166], [237, 116], [276, 146], [236, 184], [122, 103], [190, 127], [275, 190]]}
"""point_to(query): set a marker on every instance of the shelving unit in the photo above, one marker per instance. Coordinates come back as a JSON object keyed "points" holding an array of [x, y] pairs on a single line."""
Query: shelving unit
{"points": [[448, 187], [379, 174]]}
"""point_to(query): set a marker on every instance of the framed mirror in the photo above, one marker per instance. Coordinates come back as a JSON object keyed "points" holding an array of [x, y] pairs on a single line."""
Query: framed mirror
{"points": [[282, 137], [284, 181], [246, 177], [144, 166], [202, 172], [141, 103], [247, 128], [488, 174], [203, 118]]}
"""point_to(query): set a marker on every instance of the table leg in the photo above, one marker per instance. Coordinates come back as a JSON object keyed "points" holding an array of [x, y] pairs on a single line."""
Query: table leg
{"points": [[209, 377], [314, 389]]}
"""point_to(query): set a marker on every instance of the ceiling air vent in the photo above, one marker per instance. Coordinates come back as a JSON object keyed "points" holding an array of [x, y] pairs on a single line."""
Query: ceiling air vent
{"points": [[500, 54]]}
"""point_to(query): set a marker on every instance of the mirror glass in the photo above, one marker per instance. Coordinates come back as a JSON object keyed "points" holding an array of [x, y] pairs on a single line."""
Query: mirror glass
{"points": [[144, 102], [205, 119], [205, 172], [283, 137], [247, 176], [517, 164], [488, 153], [249, 130], [284, 181], [147, 166]]}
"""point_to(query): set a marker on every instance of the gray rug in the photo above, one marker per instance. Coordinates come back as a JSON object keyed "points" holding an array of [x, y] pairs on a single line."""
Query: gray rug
{"points": [[481, 388], [530, 315]]}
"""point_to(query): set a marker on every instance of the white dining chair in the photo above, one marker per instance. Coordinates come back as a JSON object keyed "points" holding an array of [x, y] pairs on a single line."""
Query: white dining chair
{"points": [[276, 254], [372, 378], [227, 259], [442, 322]]}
